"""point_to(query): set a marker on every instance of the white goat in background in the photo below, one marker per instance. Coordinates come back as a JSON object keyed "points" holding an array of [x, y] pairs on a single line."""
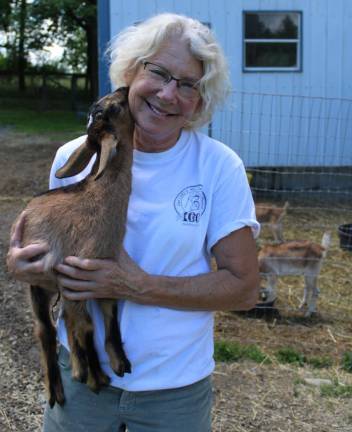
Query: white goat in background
{"points": [[297, 258]]}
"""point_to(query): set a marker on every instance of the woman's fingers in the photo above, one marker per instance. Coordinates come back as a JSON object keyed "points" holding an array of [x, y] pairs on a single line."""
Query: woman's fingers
{"points": [[33, 250], [84, 263], [33, 267], [75, 284], [16, 237], [74, 272], [78, 295]]}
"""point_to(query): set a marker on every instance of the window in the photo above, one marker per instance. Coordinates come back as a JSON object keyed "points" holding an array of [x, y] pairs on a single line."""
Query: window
{"points": [[272, 41]]}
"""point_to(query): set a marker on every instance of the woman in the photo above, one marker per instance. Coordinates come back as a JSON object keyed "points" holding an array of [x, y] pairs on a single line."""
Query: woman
{"points": [[190, 200]]}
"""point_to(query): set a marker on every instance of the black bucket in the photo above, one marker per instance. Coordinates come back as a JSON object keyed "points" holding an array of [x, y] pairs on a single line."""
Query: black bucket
{"points": [[345, 235]]}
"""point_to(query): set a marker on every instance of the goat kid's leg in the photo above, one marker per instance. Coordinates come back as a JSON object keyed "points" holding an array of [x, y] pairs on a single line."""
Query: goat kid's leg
{"points": [[113, 341], [96, 377], [277, 232], [78, 358], [304, 301], [271, 285], [46, 333], [84, 358], [313, 293]]}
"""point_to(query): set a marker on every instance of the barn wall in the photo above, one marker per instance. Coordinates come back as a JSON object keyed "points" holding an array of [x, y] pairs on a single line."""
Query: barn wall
{"points": [[275, 118]]}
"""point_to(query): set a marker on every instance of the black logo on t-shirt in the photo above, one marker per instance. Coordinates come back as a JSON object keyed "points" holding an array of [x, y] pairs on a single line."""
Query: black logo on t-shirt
{"points": [[190, 204]]}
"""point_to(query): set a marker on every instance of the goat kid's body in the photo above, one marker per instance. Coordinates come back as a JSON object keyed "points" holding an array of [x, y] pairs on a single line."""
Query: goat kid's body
{"points": [[298, 258], [86, 219]]}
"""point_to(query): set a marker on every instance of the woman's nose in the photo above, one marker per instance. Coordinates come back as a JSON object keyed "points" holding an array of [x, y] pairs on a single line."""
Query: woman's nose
{"points": [[168, 91]]}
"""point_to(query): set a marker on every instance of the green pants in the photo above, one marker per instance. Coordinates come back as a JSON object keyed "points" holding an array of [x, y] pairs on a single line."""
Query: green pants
{"points": [[185, 409]]}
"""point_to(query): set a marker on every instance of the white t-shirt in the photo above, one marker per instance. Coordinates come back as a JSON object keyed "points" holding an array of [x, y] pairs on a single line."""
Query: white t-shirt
{"points": [[183, 201]]}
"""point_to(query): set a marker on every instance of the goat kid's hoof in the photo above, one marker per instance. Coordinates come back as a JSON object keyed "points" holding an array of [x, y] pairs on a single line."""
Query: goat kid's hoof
{"points": [[56, 396], [124, 366], [311, 314], [97, 381], [80, 375]]}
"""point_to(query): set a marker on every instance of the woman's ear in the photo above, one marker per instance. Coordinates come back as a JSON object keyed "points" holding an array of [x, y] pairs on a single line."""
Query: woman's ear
{"points": [[199, 105], [129, 75]]}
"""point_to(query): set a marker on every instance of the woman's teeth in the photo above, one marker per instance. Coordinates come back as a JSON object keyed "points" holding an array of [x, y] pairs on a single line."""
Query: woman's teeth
{"points": [[157, 111]]}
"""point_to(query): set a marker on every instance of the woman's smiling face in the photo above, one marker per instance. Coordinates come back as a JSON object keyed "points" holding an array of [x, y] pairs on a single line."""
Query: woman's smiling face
{"points": [[160, 112]]}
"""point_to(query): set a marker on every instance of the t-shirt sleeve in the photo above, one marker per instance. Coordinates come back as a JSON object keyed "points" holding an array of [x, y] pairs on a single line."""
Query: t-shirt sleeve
{"points": [[232, 205], [57, 163]]}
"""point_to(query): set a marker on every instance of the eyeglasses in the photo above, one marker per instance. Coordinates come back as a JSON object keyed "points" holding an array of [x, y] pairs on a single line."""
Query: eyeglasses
{"points": [[187, 88]]}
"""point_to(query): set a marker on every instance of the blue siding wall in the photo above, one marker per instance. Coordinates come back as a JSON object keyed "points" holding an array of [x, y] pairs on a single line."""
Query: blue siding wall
{"points": [[104, 35], [305, 122]]}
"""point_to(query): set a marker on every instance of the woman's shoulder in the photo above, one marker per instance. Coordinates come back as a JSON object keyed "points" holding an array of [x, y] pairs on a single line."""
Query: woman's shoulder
{"points": [[211, 148]]}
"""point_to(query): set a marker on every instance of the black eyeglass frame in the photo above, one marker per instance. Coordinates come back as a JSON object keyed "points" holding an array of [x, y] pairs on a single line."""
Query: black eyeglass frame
{"points": [[169, 77]]}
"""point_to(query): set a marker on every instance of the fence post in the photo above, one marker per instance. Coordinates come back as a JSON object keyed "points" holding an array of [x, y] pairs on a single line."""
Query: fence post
{"points": [[73, 92], [44, 93]]}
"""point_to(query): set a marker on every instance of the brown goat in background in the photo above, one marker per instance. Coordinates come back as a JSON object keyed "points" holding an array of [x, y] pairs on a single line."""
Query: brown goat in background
{"points": [[271, 216], [86, 219]]}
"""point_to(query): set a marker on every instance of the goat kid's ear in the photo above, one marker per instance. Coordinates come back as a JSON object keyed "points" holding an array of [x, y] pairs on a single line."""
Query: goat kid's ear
{"points": [[76, 163], [107, 152]]}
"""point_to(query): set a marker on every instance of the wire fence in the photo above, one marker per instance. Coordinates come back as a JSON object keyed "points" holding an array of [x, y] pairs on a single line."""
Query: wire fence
{"points": [[46, 91], [287, 130], [298, 149]]}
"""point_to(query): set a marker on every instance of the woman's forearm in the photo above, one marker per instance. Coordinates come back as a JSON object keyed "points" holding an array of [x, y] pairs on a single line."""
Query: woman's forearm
{"points": [[220, 290]]}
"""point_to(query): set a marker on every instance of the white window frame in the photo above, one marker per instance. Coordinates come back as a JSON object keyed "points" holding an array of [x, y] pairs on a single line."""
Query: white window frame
{"points": [[297, 41]]}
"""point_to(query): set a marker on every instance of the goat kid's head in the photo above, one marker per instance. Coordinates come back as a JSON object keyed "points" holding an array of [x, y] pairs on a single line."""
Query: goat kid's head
{"points": [[110, 122]]}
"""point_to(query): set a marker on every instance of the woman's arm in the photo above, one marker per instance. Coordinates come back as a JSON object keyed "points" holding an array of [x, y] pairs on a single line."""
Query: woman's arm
{"points": [[234, 286]]}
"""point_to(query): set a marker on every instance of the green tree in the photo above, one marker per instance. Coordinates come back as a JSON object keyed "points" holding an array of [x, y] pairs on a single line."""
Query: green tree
{"points": [[74, 24], [5, 14], [14, 28], [33, 25]]}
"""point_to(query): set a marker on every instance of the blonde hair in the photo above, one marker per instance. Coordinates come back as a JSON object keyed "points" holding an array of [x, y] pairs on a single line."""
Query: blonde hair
{"points": [[141, 41]]}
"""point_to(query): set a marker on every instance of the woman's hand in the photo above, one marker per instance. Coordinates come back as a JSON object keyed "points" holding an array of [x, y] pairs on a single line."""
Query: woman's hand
{"points": [[83, 279], [26, 263]]}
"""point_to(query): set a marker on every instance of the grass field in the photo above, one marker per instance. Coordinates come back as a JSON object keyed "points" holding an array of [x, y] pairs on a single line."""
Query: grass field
{"points": [[41, 122]]}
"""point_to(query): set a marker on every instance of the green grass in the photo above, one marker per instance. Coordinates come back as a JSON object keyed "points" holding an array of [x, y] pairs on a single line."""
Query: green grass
{"points": [[226, 351], [41, 122], [319, 362], [231, 351], [252, 352], [336, 390], [347, 361], [289, 355]]}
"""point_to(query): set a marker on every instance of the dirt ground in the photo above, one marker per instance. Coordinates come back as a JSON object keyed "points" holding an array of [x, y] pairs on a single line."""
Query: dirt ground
{"points": [[248, 396]]}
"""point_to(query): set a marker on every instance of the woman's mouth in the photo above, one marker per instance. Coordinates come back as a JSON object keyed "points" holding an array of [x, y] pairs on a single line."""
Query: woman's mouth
{"points": [[158, 111]]}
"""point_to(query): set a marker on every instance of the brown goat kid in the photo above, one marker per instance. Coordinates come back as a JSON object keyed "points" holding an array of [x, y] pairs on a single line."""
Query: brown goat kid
{"points": [[86, 219], [272, 216]]}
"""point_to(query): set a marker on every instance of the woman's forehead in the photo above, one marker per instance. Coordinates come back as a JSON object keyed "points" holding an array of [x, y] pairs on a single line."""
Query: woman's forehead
{"points": [[175, 55]]}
